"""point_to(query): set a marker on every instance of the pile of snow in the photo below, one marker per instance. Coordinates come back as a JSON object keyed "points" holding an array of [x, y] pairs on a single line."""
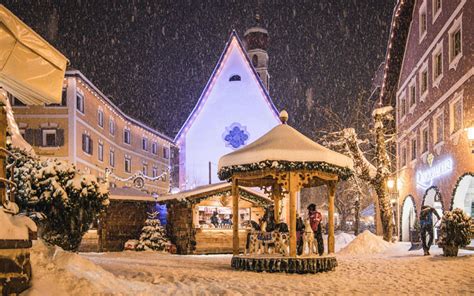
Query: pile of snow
{"points": [[366, 243], [64, 273], [343, 239]]}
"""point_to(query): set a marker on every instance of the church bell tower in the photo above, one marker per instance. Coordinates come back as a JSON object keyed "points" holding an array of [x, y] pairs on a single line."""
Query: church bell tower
{"points": [[256, 43]]}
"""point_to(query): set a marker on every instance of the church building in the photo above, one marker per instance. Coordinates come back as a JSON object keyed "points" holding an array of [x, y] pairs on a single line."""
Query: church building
{"points": [[233, 110]]}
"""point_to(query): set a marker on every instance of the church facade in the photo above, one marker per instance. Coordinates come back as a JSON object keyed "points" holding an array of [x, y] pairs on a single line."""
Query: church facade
{"points": [[233, 110]]}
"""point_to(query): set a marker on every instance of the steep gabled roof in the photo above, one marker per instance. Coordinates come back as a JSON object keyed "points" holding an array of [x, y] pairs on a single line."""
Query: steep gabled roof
{"points": [[399, 31], [233, 37]]}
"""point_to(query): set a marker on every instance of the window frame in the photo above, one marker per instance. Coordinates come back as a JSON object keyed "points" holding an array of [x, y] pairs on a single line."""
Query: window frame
{"points": [[100, 152], [422, 11], [452, 116], [436, 13], [144, 143], [454, 60], [112, 126], [166, 154], [127, 130], [88, 146], [436, 139], [403, 106], [44, 136], [127, 168], [154, 148], [423, 69], [145, 169], [438, 51], [80, 107], [413, 149], [424, 143], [412, 86], [112, 158], [154, 172], [100, 118]]}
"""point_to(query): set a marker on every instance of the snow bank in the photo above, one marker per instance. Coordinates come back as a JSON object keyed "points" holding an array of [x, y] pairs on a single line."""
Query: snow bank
{"points": [[15, 227], [57, 272], [366, 243]]}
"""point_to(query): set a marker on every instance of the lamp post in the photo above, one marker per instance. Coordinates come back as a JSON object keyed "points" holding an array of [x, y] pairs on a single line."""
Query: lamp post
{"points": [[393, 188]]}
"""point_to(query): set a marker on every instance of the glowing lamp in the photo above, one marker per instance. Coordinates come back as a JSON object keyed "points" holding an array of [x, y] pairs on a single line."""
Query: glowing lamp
{"points": [[470, 132], [390, 183]]}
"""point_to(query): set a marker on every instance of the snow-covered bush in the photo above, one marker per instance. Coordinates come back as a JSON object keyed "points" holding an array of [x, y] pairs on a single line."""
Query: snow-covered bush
{"points": [[63, 201], [153, 236], [455, 229]]}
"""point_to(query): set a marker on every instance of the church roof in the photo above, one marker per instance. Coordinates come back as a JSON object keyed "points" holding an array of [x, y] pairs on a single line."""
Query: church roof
{"points": [[233, 39]]}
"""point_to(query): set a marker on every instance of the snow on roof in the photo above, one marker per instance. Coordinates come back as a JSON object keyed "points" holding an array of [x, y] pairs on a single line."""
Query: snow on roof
{"points": [[205, 189], [128, 193], [256, 29], [284, 143]]}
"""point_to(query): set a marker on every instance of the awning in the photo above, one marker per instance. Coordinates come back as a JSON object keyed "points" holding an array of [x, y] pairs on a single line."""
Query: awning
{"points": [[30, 68]]}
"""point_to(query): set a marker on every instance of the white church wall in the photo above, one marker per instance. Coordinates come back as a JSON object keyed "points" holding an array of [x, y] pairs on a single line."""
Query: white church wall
{"points": [[242, 103]]}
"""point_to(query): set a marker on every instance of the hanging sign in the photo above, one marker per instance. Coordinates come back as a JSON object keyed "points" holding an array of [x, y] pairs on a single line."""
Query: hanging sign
{"points": [[425, 178]]}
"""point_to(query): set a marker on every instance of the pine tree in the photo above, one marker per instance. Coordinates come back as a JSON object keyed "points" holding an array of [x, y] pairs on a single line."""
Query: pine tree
{"points": [[153, 236]]}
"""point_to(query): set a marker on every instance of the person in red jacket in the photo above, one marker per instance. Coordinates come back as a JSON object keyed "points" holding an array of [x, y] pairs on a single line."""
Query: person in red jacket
{"points": [[315, 219]]}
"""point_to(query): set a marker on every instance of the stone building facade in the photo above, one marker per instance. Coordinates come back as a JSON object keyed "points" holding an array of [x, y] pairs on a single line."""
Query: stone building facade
{"points": [[89, 131]]}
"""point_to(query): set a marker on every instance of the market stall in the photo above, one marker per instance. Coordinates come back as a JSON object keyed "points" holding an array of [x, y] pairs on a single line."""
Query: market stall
{"points": [[200, 220], [282, 162]]}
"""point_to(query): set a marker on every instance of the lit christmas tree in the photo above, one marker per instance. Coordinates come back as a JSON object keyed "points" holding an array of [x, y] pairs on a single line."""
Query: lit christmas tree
{"points": [[153, 236]]}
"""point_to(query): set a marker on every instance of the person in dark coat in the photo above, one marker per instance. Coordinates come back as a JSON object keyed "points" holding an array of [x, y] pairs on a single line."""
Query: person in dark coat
{"points": [[426, 227], [299, 234], [315, 219], [215, 219]]}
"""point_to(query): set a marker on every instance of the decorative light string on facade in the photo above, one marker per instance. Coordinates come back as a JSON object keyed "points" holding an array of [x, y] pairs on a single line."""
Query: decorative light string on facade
{"points": [[387, 59], [144, 131], [139, 174]]}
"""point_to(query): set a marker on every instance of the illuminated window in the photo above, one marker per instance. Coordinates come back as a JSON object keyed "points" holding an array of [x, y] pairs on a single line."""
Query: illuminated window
{"points": [[87, 144], [154, 148], [145, 169], [111, 126]]}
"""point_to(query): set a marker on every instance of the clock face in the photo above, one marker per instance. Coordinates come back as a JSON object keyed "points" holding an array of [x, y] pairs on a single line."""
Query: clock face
{"points": [[235, 135], [139, 182]]}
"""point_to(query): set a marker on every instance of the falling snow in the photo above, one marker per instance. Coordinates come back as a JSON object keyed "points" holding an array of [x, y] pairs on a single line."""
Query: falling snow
{"points": [[154, 58]]}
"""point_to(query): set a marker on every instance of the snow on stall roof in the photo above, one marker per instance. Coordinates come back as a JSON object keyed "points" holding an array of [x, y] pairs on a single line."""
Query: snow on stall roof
{"points": [[128, 193], [201, 190], [284, 143]]}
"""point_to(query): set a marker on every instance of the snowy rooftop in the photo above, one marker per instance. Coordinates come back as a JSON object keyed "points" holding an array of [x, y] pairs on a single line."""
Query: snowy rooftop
{"points": [[211, 188], [284, 143], [127, 193]]}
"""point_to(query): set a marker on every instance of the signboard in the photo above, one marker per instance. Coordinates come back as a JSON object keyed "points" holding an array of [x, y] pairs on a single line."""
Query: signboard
{"points": [[426, 177]]}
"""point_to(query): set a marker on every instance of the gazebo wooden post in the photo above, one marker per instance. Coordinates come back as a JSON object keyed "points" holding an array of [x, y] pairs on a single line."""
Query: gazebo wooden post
{"points": [[293, 184], [332, 193], [276, 194], [235, 216]]}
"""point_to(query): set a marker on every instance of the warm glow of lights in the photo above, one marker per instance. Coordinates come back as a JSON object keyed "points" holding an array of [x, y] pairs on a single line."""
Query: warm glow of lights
{"points": [[390, 183]]}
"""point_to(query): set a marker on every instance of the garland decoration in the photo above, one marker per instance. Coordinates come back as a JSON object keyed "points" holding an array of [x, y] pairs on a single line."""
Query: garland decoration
{"points": [[138, 174], [456, 187], [344, 173]]}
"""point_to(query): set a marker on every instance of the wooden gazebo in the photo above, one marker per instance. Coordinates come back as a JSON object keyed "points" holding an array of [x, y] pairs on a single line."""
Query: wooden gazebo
{"points": [[282, 162]]}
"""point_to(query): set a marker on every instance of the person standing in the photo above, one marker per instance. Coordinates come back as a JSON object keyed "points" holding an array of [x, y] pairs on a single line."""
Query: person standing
{"points": [[315, 219], [426, 227]]}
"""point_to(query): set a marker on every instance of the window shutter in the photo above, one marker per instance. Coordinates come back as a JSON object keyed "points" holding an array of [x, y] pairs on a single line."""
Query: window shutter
{"points": [[29, 136], [84, 143], [91, 147], [38, 137], [60, 137]]}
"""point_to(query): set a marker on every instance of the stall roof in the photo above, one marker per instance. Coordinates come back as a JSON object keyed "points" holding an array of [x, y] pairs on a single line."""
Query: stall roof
{"points": [[30, 68], [213, 189], [128, 193]]}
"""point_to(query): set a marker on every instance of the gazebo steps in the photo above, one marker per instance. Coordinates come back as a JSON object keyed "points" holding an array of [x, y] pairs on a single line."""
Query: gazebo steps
{"points": [[268, 263]]}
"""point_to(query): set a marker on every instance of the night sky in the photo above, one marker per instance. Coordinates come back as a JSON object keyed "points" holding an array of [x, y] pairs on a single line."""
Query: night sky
{"points": [[153, 58]]}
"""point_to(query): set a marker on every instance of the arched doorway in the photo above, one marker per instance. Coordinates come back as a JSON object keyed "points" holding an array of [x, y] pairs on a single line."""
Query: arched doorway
{"points": [[408, 217], [463, 194], [433, 199]]}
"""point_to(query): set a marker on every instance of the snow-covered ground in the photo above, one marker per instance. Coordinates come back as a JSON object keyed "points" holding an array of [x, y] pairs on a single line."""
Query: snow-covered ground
{"points": [[394, 271]]}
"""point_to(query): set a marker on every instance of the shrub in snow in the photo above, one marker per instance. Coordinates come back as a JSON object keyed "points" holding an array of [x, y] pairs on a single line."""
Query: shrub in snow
{"points": [[153, 236], [63, 201], [454, 231], [131, 244]]}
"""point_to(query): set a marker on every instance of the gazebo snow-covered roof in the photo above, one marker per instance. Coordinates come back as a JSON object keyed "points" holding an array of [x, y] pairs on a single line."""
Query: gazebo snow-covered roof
{"points": [[285, 146], [283, 161]]}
